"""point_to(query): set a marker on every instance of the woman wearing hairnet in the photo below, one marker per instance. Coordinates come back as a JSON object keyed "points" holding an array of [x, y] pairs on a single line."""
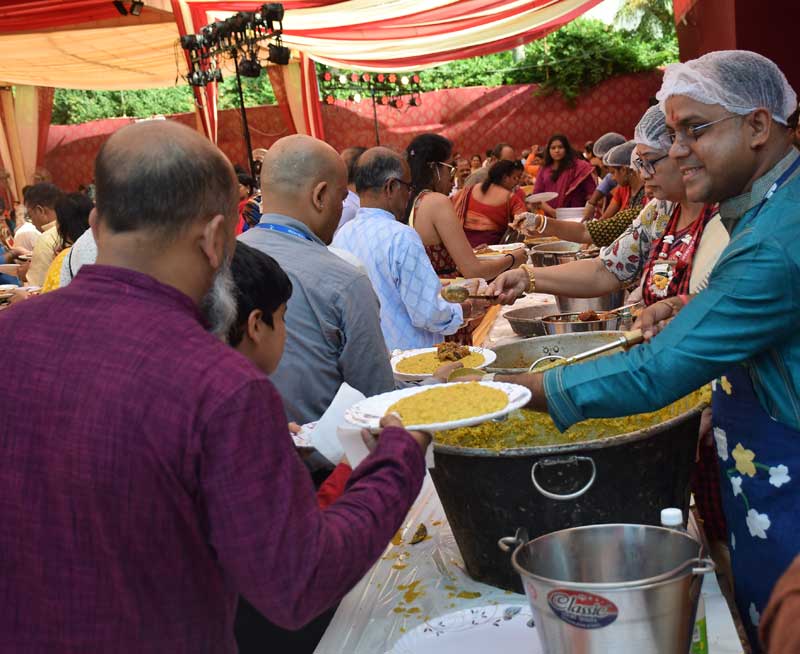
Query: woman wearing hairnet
{"points": [[662, 245], [727, 114]]}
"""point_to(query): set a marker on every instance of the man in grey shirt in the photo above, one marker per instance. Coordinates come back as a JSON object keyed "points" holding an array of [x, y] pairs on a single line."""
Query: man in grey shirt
{"points": [[333, 317]]}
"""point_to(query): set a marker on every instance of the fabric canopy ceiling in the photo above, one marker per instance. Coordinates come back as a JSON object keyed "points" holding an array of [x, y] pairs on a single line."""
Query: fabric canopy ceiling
{"points": [[87, 44]]}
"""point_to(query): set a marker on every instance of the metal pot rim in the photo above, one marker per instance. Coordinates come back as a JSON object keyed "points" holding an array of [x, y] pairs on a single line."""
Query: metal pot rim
{"points": [[679, 572], [601, 443]]}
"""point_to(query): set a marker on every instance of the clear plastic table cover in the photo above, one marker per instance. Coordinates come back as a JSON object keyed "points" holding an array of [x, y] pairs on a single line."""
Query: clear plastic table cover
{"points": [[409, 585]]}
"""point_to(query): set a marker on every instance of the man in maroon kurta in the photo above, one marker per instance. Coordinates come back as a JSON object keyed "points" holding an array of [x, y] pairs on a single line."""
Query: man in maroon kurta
{"points": [[146, 473]]}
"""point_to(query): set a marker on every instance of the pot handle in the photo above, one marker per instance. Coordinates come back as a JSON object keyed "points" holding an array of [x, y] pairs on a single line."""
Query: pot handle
{"points": [[510, 543], [559, 461], [706, 566]]}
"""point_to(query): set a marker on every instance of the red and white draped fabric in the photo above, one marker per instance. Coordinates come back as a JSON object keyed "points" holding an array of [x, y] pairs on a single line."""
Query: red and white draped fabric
{"points": [[97, 50], [681, 8]]}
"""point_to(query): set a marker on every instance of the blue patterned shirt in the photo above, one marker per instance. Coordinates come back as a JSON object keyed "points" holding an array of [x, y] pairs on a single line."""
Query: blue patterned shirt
{"points": [[747, 315], [413, 313]]}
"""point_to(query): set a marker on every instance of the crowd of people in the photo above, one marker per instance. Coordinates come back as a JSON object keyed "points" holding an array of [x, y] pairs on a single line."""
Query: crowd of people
{"points": [[149, 482]]}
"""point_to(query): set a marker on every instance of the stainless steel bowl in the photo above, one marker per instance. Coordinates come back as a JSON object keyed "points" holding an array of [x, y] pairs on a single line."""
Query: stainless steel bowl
{"points": [[579, 304], [528, 320], [516, 357], [552, 254], [568, 323]]}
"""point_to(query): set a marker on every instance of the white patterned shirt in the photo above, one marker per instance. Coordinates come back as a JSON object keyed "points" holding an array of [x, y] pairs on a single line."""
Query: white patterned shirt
{"points": [[413, 313]]}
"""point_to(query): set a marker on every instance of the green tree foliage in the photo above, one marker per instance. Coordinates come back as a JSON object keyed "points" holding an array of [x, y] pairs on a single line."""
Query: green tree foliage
{"points": [[569, 61], [71, 106]]}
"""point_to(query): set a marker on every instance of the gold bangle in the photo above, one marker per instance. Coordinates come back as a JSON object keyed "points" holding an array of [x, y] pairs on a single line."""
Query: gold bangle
{"points": [[531, 272]]}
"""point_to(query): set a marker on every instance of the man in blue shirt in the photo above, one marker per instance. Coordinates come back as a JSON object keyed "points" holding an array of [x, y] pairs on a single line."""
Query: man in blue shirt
{"points": [[413, 313], [727, 115]]}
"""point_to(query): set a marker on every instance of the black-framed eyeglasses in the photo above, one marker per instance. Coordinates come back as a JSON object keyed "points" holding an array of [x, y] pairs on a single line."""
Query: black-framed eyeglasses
{"points": [[691, 133], [647, 166]]}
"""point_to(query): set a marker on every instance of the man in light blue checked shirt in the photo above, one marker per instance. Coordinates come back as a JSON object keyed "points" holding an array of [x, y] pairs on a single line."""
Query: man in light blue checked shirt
{"points": [[413, 313]]}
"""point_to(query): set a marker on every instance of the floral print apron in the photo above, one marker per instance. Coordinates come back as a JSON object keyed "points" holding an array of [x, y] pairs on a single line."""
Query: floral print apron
{"points": [[759, 464]]}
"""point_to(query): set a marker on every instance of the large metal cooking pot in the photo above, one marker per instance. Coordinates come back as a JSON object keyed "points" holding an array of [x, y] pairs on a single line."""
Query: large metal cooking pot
{"points": [[517, 357], [487, 495], [579, 304], [552, 254], [568, 323]]}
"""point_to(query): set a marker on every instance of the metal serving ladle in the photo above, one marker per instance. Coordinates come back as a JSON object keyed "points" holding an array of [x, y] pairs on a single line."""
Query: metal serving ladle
{"points": [[626, 339]]}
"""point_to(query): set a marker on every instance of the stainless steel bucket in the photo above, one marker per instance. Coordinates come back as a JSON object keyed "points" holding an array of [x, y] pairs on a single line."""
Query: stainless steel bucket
{"points": [[621, 588], [552, 254]]}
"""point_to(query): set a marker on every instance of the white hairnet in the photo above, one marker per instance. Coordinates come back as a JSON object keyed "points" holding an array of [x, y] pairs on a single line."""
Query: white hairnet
{"points": [[739, 80], [651, 130], [620, 155], [606, 142]]}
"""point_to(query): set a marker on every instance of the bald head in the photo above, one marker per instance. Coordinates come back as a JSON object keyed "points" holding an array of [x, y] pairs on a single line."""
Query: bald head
{"points": [[160, 176], [306, 179]]}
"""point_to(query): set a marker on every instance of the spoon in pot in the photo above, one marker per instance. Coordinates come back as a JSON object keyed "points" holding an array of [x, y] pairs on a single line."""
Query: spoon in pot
{"points": [[626, 339], [459, 294]]}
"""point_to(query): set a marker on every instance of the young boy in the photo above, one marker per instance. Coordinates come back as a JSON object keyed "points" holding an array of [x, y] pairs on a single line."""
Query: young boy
{"points": [[259, 332]]}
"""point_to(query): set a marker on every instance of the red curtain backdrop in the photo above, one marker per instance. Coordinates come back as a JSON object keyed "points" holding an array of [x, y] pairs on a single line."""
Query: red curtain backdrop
{"points": [[474, 118], [45, 114]]}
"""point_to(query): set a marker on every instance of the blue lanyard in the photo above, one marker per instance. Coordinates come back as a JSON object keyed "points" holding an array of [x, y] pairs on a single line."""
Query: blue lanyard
{"points": [[285, 229], [780, 181]]}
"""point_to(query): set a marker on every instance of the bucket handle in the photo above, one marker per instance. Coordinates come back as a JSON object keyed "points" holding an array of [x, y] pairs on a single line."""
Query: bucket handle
{"points": [[510, 543], [706, 566], [560, 461]]}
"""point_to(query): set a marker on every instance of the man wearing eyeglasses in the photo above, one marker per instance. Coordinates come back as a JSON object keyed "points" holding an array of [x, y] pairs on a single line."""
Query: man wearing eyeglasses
{"points": [[727, 113], [413, 313]]}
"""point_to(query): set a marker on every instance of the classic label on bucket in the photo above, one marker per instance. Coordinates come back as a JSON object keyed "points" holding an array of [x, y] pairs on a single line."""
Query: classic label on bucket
{"points": [[580, 609]]}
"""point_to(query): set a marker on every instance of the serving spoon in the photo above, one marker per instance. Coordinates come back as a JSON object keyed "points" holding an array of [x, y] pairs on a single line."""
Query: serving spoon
{"points": [[626, 339]]}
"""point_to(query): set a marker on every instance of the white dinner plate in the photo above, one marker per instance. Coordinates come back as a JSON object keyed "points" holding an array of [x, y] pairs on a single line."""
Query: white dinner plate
{"points": [[488, 357], [506, 247], [368, 413], [541, 197], [495, 628]]}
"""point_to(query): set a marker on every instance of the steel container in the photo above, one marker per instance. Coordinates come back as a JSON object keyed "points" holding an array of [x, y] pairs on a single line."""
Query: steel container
{"points": [[513, 358], [621, 588], [568, 323], [579, 304], [528, 320], [557, 252]]}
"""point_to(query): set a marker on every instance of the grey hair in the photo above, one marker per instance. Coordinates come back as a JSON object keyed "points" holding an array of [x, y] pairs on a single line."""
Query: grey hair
{"points": [[374, 169]]}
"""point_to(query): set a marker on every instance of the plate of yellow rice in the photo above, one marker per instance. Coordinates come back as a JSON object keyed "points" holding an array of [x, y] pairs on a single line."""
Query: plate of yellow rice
{"points": [[415, 365], [443, 406]]}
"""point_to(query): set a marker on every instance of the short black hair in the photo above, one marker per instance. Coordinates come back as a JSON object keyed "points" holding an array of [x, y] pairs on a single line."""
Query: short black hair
{"points": [[72, 214], [350, 157], [260, 284], [164, 187], [42, 194], [499, 170]]}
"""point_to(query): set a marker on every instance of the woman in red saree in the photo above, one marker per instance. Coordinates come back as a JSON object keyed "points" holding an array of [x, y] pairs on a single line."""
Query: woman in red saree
{"points": [[487, 209], [565, 173]]}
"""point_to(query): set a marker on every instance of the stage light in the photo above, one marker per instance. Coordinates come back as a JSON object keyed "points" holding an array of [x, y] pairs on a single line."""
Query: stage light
{"points": [[120, 7], [136, 7], [279, 54], [404, 80], [250, 67]]}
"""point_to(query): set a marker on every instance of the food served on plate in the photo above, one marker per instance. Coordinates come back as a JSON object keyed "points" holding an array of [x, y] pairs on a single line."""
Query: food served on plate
{"points": [[526, 428], [448, 403], [428, 362]]}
